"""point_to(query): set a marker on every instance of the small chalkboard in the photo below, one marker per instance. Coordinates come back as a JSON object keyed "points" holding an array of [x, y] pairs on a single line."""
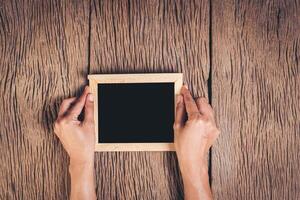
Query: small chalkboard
{"points": [[135, 112]]}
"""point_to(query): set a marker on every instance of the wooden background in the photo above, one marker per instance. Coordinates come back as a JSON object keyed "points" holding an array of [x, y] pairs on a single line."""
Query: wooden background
{"points": [[243, 55]]}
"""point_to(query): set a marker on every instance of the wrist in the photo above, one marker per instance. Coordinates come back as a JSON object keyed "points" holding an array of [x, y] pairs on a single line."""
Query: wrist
{"points": [[193, 172], [81, 165], [82, 160], [192, 166]]}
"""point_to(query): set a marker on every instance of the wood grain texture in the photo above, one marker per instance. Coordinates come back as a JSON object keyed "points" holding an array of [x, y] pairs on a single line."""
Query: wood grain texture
{"points": [[43, 58], [147, 37], [255, 92]]}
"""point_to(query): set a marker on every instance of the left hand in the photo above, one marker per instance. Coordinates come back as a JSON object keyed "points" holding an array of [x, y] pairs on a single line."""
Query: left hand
{"points": [[77, 137]]}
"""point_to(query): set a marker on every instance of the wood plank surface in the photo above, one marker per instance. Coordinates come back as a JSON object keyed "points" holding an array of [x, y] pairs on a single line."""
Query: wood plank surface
{"points": [[251, 49], [43, 59], [140, 37], [255, 92]]}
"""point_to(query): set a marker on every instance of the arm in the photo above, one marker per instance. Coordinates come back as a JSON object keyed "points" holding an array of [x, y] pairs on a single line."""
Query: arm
{"points": [[78, 139], [193, 138], [82, 181]]}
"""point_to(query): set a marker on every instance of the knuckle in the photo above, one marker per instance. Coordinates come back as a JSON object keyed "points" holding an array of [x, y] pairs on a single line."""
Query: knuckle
{"points": [[179, 106], [215, 132], [211, 112], [56, 127], [69, 99], [60, 122], [89, 124], [189, 98], [193, 119], [200, 99], [201, 119], [206, 120], [194, 116], [56, 124], [65, 101], [176, 126]]}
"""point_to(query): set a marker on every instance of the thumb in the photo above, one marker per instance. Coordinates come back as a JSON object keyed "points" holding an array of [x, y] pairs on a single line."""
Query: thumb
{"points": [[89, 109], [179, 113]]}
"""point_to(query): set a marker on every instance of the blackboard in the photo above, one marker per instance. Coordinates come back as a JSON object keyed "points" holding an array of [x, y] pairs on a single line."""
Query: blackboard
{"points": [[135, 112]]}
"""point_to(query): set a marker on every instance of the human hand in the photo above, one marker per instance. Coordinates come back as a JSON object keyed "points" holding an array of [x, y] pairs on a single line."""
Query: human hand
{"points": [[194, 137], [77, 137]]}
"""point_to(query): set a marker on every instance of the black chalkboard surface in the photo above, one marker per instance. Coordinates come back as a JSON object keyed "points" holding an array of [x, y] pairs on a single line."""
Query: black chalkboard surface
{"points": [[135, 112]]}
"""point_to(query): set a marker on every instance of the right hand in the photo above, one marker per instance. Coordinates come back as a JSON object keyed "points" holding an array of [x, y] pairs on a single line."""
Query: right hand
{"points": [[193, 137]]}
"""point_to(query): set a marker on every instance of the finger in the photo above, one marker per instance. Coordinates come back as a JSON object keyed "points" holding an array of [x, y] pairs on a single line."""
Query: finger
{"points": [[212, 140], [65, 105], [89, 109], [79, 105], [179, 113], [190, 104], [204, 107]]}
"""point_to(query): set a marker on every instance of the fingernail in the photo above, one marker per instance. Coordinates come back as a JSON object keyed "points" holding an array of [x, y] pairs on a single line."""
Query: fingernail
{"points": [[185, 85], [90, 97]]}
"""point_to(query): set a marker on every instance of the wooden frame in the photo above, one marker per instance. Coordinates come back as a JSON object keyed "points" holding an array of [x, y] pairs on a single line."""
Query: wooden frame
{"points": [[95, 79]]}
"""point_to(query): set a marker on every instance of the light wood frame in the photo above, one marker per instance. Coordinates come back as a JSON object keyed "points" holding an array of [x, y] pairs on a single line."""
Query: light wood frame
{"points": [[95, 79]]}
